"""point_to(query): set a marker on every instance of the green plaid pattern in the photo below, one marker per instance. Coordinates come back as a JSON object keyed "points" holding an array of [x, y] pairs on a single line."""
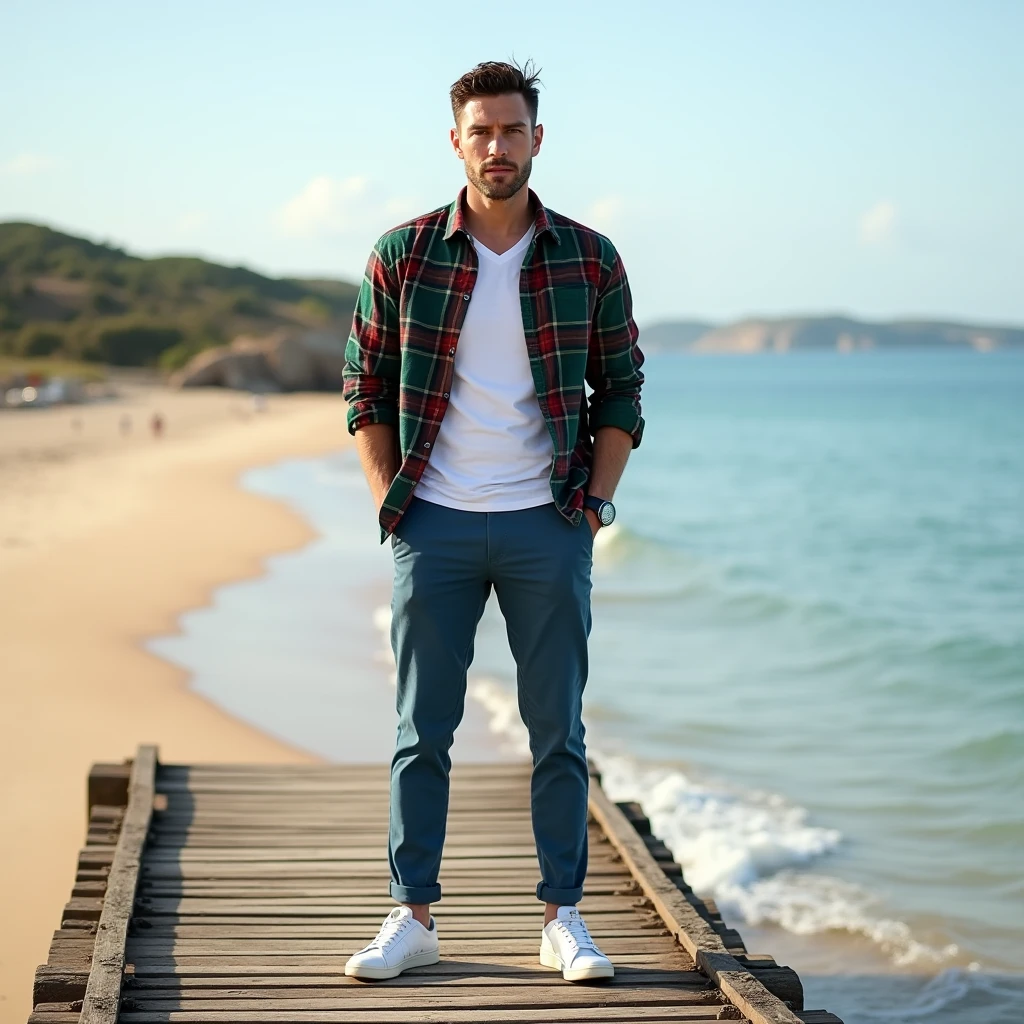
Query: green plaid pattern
{"points": [[577, 317]]}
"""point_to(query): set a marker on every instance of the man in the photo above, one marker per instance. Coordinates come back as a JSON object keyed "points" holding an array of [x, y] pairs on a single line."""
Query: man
{"points": [[475, 329]]}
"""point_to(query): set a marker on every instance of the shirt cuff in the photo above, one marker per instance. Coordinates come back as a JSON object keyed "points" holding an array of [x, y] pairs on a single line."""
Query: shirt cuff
{"points": [[364, 413], [621, 412]]}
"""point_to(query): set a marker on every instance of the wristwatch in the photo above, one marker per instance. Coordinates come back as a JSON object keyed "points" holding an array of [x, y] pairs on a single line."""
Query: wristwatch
{"points": [[605, 509]]}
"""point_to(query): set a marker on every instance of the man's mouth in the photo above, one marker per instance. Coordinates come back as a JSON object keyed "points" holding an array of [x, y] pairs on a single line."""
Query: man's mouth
{"points": [[500, 169]]}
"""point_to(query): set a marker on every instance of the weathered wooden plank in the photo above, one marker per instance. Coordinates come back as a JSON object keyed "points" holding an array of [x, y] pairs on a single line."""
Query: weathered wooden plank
{"points": [[89, 889], [334, 867], [262, 927], [292, 805], [736, 982], [107, 785], [270, 838], [742, 988], [95, 856], [103, 989], [268, 963], [350, 905], [298, 927], [286, 889], [82, 909], [349, 928], [487, 815], [508, 1015], [469, 869], [344, 774], [359, 933], [464, 769], [525, 972], [55, 1017], [57, 984], [317, 853], [139, 947], [360, 789], [284, 843], [235, 998]]}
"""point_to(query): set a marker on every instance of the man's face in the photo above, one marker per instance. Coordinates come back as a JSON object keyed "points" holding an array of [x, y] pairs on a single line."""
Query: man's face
{"points": [[495, 138]]}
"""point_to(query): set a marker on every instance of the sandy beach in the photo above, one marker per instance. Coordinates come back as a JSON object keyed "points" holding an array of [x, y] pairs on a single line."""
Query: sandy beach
{"points": [[106, 536]]}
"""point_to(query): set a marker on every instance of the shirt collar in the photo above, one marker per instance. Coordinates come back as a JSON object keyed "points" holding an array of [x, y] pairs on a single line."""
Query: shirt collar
{"points": [[457, 217]]}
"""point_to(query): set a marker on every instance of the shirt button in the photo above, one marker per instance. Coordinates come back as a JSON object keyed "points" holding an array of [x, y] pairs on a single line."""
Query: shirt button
{"points": [[466, 296], [426, 444], [451, 351], [445, 395]]}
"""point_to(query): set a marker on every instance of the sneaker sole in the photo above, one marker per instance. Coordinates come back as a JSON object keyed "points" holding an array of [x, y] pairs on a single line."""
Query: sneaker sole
{"points": [[554, 961], [380, 973]]}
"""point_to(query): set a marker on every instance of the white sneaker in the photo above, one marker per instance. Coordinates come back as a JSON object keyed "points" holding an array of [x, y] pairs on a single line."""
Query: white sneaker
{"points": [[567, 946], [401, 943]]}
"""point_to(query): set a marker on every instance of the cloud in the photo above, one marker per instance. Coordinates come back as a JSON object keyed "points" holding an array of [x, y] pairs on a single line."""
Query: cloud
{"points": [[26, 163], [329, 207], [605, 213], [877, 224]]}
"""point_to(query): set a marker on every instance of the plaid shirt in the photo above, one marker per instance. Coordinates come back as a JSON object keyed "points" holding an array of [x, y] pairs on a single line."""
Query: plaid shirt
{"points": [[577, 317]]}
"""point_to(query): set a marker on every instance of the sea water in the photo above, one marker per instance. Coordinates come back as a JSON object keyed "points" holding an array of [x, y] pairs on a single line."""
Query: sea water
{"points": [[807, 660]]}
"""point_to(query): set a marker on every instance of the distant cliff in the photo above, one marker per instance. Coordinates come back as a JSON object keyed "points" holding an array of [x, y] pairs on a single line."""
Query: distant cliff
{"points": [[835, 333]]}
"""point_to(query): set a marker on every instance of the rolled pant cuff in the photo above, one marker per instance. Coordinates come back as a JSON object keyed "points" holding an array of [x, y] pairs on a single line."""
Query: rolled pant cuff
{"points": [[415, 893], [563, 897]]}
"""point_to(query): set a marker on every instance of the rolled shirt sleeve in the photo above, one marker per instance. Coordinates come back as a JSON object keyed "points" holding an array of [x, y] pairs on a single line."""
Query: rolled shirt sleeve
{"points": [[373, 351], [614, 358]]}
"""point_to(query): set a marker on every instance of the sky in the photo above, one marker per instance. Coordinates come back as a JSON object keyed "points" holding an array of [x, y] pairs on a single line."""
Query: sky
{"points": [[746, 158]]}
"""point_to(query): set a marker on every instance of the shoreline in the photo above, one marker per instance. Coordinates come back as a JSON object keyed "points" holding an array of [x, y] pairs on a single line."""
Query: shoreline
{"points": [[106, 540], [323, 614]]}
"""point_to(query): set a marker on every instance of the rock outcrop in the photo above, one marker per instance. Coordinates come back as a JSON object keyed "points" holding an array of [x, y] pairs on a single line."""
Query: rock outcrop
{"points": [[286, 360]]}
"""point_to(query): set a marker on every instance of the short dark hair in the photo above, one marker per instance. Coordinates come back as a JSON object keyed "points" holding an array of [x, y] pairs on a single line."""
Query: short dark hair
{"points": [[495, 78]]}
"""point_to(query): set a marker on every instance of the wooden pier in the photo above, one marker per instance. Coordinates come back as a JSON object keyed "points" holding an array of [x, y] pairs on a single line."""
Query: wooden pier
{"points": [[220, 894]]}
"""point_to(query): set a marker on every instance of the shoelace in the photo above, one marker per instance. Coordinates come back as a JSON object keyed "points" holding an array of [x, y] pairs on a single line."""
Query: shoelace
{"points": [[389, 931], [576, 929]]}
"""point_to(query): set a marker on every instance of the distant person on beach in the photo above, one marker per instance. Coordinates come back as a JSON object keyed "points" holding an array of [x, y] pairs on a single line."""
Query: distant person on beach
{"points": [[475, 329], [156, 424]]}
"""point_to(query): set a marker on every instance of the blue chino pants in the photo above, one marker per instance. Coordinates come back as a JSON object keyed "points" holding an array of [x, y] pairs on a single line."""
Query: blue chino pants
{"points": [[446, 561]]}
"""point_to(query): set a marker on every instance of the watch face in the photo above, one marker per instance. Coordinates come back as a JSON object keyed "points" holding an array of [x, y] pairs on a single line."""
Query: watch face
{"points": [[607, 514]]}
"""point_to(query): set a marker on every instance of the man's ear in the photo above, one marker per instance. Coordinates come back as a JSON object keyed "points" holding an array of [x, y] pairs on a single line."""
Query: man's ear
{"points": [[453, 134], [538, 138]]}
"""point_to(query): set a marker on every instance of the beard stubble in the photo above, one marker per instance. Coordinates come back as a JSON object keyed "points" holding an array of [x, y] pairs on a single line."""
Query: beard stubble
{"points": [[492, 189]]}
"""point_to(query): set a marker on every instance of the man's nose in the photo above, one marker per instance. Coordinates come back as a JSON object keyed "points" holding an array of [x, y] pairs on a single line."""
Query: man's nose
{"points": [[498, 146]]}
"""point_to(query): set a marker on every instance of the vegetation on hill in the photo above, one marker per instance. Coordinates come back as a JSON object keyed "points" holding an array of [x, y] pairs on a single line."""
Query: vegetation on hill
{"points": [[69, 297]]}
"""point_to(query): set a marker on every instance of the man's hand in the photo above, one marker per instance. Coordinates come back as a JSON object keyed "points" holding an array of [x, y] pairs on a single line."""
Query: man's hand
{"points": [[612, 446], [378, 453]]}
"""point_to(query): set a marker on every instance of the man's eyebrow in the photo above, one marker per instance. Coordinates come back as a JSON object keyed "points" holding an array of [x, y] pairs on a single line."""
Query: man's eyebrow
{"points": [[511, 124]]}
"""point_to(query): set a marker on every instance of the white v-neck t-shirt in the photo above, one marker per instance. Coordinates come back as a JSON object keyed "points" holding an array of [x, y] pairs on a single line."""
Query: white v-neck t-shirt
{"points": [[493, 452]]}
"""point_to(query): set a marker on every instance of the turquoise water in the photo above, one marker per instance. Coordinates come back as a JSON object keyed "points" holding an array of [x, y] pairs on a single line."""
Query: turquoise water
{"points": [[807, 659], [826, 602]]}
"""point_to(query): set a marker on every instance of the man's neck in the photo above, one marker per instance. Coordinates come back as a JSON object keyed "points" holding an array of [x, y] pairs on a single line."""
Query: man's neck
{"points": [[498, 223]]}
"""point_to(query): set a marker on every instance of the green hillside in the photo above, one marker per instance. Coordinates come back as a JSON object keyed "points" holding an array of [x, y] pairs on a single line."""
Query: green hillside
{"points": [[69, 297]]}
